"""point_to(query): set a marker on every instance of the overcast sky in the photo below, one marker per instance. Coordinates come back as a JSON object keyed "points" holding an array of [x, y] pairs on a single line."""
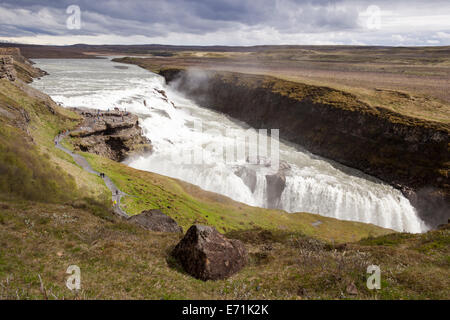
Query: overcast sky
{"points": [[227, 22]]}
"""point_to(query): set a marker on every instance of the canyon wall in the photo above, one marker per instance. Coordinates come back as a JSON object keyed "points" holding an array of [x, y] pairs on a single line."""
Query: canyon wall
{"points": [[15, 66], [408, 153]]}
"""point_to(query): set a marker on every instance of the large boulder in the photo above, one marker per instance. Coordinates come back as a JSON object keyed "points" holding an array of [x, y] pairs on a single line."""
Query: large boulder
{"points": [[113, 134], [206, 254], [275, 185], [248, 176], [155, 220]]}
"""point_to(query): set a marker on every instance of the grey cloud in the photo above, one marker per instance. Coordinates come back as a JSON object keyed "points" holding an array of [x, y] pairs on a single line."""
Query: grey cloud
{"points": [[159, 18], [199, 16]]}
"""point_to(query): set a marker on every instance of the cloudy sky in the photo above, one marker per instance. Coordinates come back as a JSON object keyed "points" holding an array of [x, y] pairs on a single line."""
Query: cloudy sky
{"points": [[226, 22]]}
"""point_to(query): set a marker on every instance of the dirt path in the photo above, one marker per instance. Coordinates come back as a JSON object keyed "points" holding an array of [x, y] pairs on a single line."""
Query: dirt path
{"points": [[117, 194]]}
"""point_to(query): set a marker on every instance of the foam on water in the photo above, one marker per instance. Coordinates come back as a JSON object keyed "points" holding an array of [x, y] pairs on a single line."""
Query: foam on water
{"points": [[312, 184]]}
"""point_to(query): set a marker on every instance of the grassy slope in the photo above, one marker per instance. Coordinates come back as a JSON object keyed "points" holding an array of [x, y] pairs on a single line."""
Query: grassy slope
{"points": [[119, 260], [43, 127]]}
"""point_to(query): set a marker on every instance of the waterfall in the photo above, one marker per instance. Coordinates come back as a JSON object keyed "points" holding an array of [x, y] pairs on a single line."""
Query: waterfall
{"points": [[305, 183]]}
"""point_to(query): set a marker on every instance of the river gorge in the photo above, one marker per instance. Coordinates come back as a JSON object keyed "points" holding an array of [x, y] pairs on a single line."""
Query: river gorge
{"points": [[176, 125]]}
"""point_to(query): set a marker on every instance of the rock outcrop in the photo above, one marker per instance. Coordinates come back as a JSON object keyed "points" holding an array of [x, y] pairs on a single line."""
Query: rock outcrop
{"points": [[15, 66], [113, 134], [206, 254], [410, 154], [155, 220], [7, 70], [275, 184], [248, 176]]}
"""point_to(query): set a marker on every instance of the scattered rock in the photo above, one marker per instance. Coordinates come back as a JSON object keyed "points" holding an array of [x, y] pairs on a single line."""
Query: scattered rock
{"points": [[351, 289], [302, 292], [316, 223], [206, 254], [340, 247], [162, 92], [155, 220], [4, 206]]}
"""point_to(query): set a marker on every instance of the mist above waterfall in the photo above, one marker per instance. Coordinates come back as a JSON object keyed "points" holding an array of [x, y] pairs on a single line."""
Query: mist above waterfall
{"points": [[301, 183]]}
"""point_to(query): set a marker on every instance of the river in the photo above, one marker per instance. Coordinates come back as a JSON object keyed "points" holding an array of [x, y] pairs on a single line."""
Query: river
{"points": [[176, 126]]}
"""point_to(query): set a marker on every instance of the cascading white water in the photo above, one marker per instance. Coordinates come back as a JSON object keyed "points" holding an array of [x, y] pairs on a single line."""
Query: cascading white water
{"points": [[312, 184]]}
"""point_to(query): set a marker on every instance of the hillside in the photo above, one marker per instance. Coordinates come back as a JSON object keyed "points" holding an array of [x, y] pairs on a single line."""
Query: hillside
{"points": [[54, 214], [122, 261]]}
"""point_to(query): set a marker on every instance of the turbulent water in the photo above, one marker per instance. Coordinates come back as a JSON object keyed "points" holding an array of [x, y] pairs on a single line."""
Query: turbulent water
{"points": [[312, 184]]}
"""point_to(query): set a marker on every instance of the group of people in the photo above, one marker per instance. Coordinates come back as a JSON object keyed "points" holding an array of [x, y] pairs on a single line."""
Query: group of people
{"points": [[60, 133], [114, 201]]}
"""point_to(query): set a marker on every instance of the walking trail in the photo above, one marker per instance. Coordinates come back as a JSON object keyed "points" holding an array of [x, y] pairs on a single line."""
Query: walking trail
{"points": [[117, 194]]}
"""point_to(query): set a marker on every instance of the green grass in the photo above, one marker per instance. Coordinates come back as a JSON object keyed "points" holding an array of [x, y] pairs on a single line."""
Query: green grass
{"points": [[188, 204], [32, 168]]}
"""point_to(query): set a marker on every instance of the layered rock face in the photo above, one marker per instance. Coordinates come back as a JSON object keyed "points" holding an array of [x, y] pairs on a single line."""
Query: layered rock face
{"points": [[408, 153], [12, 51], [206, 254], [13, 65], [113, 134], [155, 220], [275, 183], [7, 70]]}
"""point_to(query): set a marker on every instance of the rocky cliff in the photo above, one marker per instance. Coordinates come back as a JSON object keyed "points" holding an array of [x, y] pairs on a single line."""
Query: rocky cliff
{"points": [[410, 154], [113, 134], [7, 70], [13, 65]]}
